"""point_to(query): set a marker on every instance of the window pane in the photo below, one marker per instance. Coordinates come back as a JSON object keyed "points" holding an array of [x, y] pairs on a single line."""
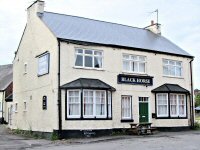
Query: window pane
{"points": [[141, 58], [162, 105], [126, 66], [97, 62], [165, 70], [79, 60], [88, 61], [172, 62], [135, 67], [88, 101], [142, 67], [88, 51], [80, 51], [178, 71], [74, 103], [165, 62], [134, 57], [178, 63], [98, 53]]}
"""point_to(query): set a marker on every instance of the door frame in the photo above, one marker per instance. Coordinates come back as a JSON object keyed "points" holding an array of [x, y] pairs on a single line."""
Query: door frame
{"points": [[149, 118]]}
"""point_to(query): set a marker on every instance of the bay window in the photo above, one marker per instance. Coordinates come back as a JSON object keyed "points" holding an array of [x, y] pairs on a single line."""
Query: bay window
{"points": [[88, 58], [173, 106], [126, 108], [89, 104], [172, 68], [134, 63]]}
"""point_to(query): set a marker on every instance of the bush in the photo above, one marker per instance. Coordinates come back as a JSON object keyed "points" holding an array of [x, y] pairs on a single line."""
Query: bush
{"points": [[197, 125], [54, 136]]}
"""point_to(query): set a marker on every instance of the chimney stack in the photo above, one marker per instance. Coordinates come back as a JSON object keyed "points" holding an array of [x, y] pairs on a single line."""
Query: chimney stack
{"points": [[154, 27], [37, 8]]}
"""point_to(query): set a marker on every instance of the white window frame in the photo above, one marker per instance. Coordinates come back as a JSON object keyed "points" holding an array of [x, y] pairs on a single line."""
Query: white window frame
{"points": [[162, 115], [175, 66], [129, 117], [73, 116], [109, 104], [177, 106], [130, 61], [94, 105], [47, 63], [92, 55]]}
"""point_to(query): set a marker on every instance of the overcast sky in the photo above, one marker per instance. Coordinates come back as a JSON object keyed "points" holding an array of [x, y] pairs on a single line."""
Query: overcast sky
{"points": [[180, 20]]}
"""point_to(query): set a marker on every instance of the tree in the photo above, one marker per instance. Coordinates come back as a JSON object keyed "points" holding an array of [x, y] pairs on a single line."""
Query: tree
{"points": [[197, 100]]}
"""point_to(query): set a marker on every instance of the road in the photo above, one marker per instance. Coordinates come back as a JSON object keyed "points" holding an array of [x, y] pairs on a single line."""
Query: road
{"points": [[188, 140]]}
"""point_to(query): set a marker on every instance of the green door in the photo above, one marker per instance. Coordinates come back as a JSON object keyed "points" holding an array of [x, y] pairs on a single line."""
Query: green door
{"points": [[143, 112]]}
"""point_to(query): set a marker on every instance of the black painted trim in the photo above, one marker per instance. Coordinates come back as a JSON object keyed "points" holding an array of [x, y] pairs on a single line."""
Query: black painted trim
{"points": [[65, 104], [44, 53], [59, 96], [128, 120], [34, 3]]}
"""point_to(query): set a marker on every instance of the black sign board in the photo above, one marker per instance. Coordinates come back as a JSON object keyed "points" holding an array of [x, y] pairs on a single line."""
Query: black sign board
{"points": [[132, 79], [44, 103]]}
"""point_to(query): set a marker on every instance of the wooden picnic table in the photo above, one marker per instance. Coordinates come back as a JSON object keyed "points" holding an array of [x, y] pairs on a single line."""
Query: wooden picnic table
{"points": [[142, 128]]}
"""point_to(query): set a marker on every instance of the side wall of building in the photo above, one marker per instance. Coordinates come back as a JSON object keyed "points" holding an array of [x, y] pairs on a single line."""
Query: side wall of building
{"points": [[28, 86], [112, 61]]}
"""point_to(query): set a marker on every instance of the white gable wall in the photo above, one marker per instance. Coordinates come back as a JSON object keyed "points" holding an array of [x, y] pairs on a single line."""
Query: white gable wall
{"points": [[36, 40]]}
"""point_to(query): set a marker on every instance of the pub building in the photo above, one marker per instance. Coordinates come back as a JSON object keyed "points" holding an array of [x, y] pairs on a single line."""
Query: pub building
{"points": [[81, 77]]}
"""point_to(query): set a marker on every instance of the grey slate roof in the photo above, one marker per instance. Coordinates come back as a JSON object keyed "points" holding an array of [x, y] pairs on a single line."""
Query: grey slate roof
{"points": [[85, 83], [100, 32], [6, 76], [170, 88]]}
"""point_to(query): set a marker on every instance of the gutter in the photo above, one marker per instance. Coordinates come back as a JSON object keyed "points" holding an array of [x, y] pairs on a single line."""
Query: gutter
{"points": [[59, 97], [192, 97]]}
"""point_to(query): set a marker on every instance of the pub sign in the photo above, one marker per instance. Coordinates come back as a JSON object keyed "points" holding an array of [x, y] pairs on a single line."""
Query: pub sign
{"points": [[133, 79]]}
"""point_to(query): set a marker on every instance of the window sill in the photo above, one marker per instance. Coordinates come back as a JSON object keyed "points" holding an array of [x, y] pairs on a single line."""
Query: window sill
{"points": [[134, 73], [173, 77], [88, 119], [171, 117], [127, 120], [97, 69]]}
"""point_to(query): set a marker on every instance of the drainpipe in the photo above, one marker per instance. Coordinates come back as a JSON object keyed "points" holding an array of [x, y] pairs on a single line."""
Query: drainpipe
{"points": [[192, 97], [59, 97], [3, 98]]}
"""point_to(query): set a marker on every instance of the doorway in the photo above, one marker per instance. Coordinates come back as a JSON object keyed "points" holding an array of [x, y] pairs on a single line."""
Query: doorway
{"points": [[143, 109]]}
